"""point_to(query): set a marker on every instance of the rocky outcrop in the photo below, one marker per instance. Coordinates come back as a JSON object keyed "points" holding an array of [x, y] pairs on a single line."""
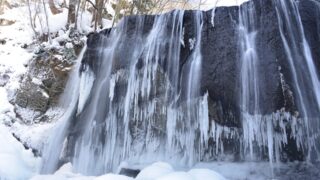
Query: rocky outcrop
{"points": [[45, 80]]}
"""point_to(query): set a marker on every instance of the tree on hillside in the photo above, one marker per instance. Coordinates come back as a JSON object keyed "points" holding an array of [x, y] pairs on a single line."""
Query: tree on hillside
{"points": [[72, 11], [53, 8], [98, 8]]}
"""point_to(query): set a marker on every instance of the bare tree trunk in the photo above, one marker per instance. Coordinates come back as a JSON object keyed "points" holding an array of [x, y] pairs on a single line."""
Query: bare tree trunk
{"points": [[47, 20], [83, 8], [53, 8], [1, 6], [116, 14], [30, 17], [98, 14], [72, 12], [94, 15], [77, 14]]}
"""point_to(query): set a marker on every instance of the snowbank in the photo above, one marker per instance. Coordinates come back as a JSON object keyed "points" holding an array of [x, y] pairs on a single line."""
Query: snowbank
{"points": [[13, 57], [65, 172], [15, 161], [5, 106], [164, 171], [156, 171], [33, 136], [7, 114]]}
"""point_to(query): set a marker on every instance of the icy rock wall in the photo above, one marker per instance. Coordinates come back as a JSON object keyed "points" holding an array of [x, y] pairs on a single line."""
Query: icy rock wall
{"points": [[179, 88]]}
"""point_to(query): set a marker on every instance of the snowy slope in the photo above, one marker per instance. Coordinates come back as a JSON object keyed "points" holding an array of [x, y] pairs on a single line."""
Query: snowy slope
{"points": [[17, 47], [15, 161], [13, 57]]}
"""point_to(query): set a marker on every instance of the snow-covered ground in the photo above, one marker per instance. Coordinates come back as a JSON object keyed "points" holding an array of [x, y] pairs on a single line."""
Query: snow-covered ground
{"points": [[202, 171], [15, 161], [13, 57]]}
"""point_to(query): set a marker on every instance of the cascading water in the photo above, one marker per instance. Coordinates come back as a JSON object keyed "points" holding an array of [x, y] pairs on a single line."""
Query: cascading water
{"points": [[159, 104], [69, 101], [258, 130], [305, 77], [142, 96], [249, 97]]}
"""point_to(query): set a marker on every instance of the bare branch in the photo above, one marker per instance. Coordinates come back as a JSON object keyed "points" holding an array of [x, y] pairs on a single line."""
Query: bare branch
{"points": [[94, 6]]}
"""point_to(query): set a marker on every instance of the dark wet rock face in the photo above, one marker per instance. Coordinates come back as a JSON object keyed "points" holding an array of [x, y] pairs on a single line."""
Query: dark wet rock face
{"points": [[310, 15], [220, 65], [299, 171], [220, 58]]}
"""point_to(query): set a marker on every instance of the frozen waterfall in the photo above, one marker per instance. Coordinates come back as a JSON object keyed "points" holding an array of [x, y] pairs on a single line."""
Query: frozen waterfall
{"points": [[175, 88]]}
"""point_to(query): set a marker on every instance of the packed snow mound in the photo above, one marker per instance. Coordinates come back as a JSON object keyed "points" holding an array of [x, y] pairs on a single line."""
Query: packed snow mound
{"points": [[6, 109], [156, 171], [164, 171], [65, 173], [113, 177], [15, 161], [205, 174], [176, 176]]}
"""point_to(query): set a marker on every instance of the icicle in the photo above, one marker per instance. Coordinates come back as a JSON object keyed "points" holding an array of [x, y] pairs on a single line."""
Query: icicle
{"points": [[270, 143], [213, 12], [204, 119]]}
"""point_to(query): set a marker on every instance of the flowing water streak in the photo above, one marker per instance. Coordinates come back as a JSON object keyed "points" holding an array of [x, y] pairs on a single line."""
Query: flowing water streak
{"points": [[88, 148], [257, 129], [249, 97], [302, 67], [68, 101], [193, 92], [213, 12], [144, 84], [99, 145], [132, 129]]}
